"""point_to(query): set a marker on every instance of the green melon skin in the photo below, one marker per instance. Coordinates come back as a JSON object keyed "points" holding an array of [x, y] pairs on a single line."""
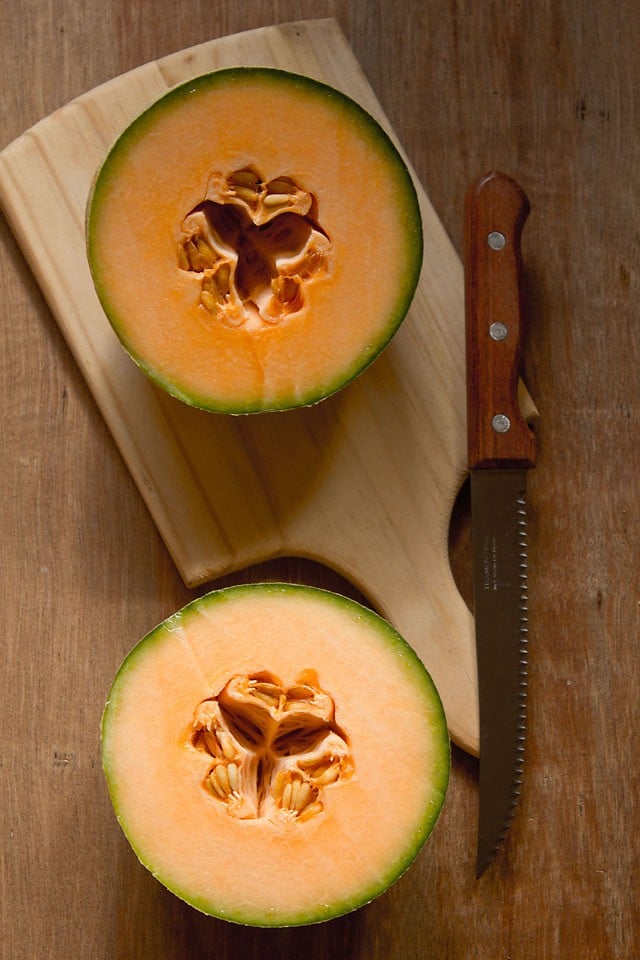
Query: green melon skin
{"points": [[401, 186], [417, 677]]}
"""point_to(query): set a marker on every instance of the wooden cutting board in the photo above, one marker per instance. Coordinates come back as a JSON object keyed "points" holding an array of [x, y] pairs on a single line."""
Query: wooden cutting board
{"points": [[363, 482]]}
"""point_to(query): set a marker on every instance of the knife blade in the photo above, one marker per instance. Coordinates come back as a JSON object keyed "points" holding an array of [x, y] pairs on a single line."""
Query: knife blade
{"points": [[501, 448]]}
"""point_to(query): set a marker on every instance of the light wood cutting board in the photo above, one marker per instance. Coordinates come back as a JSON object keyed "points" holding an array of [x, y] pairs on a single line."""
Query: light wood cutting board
{"points": [[363, 482]]}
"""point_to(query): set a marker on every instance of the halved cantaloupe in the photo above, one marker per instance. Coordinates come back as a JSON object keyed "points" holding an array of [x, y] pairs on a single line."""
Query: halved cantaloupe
{"points": [[276, 754], [255, 240]]}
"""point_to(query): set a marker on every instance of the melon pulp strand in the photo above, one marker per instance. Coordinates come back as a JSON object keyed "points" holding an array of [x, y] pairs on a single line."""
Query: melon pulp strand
{"points": [[276, 754], [255, 240]]}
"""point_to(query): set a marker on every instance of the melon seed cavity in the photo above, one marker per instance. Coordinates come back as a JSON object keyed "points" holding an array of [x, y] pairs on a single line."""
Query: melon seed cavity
{"points": [[253, 247], [274, 750]]}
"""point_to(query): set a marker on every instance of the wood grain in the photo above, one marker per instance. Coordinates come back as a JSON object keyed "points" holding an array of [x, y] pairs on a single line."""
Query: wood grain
{"points": [[495, 212], [372, 471], [546, 92]]}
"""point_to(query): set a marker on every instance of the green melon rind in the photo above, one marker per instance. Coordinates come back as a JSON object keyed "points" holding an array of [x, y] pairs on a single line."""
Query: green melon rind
{"points": [[404, 193], [417, 674]]}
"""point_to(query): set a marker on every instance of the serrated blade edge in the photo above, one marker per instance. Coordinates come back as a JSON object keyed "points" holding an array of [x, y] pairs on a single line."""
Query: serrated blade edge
{"points": [[499, 537]]}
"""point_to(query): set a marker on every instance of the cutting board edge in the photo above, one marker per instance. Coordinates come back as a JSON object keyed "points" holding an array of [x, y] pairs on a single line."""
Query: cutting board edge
{"points": [[151, 70]]}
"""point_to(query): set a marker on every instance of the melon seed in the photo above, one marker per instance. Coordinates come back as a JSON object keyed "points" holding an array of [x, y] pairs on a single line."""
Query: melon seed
{"points": [[244, 178], [211, 742], [302, 796], [281, 185], [232, 772], [267, 698], [183, 259], [226, 742], [330, 775], [252, 227], [300, 693], [245, 193], [276, 199], [214, 783], [222, 778], [222, 278], [286, 740], [205, 251], [208, 301], [295, 789], [311, 811], [266, 687]]}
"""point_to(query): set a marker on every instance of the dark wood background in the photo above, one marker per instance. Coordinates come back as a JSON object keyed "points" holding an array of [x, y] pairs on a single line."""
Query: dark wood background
{"points": [[548, 92]]}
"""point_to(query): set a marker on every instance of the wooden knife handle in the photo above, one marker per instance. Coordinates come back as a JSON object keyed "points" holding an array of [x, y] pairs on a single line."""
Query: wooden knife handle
{"points": [[495, 211]]}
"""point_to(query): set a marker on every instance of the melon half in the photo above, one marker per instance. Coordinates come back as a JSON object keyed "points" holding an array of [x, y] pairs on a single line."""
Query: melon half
{"points": [[255, 240], [276, 754]]}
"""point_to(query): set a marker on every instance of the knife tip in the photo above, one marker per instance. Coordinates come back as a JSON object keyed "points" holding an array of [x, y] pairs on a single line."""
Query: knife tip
{"points": [[482, 863]]}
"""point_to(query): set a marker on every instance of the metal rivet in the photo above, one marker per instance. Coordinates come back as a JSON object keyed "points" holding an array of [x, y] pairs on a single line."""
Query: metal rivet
{"points": [[498, 331], [501, 423], [496, 240]]}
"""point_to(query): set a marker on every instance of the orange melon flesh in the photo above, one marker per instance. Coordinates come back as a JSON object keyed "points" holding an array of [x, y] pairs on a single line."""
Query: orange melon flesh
{"points": [[275, 869], [278, 124]]}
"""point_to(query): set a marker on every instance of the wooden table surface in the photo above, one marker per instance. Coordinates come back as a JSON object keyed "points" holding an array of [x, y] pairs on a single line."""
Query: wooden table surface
{"points": [[546, 92]]}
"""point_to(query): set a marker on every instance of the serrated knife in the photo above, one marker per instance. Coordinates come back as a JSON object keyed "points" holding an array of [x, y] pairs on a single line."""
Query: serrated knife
{"points": [[501, 449]]}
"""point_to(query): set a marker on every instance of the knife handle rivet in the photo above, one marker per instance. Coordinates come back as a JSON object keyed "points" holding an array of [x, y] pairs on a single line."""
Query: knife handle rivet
{"points": [[496, 240], [501, 423], [498, 331]]}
